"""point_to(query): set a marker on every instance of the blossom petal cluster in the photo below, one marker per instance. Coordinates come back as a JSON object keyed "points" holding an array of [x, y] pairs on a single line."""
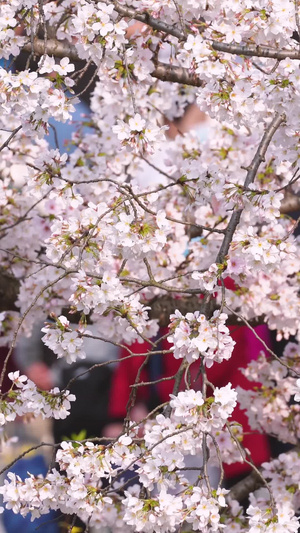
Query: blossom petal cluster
{"points": [[64, 341], [269, 407], [194, 336], [25, 398], [144, 206], [89, 467]]}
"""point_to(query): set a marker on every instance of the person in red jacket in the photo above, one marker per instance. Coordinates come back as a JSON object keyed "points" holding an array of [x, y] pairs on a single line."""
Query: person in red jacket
{"points": [[166, 366]]}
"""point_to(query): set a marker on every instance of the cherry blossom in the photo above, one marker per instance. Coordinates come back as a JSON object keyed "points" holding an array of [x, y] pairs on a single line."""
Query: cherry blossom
{"points": [[129, 217], [195, 336]]}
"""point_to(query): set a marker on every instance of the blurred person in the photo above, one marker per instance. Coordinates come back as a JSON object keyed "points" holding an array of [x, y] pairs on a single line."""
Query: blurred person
{"points": [[165, 366], [91, 388], [89, 413]]}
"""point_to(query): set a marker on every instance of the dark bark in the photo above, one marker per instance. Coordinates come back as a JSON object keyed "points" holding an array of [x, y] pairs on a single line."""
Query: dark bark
{"points": [[9, 289]]}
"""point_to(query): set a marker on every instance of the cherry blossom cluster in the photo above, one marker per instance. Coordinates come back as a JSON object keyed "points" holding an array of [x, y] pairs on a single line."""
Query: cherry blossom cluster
{"points": [[64, 341], [11, 43], [282, 477], [186, 405], [167, 511], [33, 99], [23, 397], [137, 134], [259, 250], [130, 216], [159, 459], [270, 408], [81, 486], [194, 336]]}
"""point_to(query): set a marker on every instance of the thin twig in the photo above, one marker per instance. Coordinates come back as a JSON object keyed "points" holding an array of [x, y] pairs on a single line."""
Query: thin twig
{"points": [[249, 462], [261, 340], [55, 135], [29, 450], [6, 143], [267, 72]]}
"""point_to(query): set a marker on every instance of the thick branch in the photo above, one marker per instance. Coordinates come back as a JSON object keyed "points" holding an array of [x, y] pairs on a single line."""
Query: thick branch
{"points": [[252, 50], [290, 203], [59, 49], [162, 71], [53, 48], [252, 171], [161, 306], [164, 306], [241, 490], [165, 72]]}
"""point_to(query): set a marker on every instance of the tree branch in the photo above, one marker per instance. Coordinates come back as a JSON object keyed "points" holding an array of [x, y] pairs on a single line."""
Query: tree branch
{"points": [[290, 203], [154, 23], [161, 306], [59, 48], [53, 48], [252, 171], [252, 50], [6, 143], [241, 490], [166, 72], [164, 306], [162, 71]]}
